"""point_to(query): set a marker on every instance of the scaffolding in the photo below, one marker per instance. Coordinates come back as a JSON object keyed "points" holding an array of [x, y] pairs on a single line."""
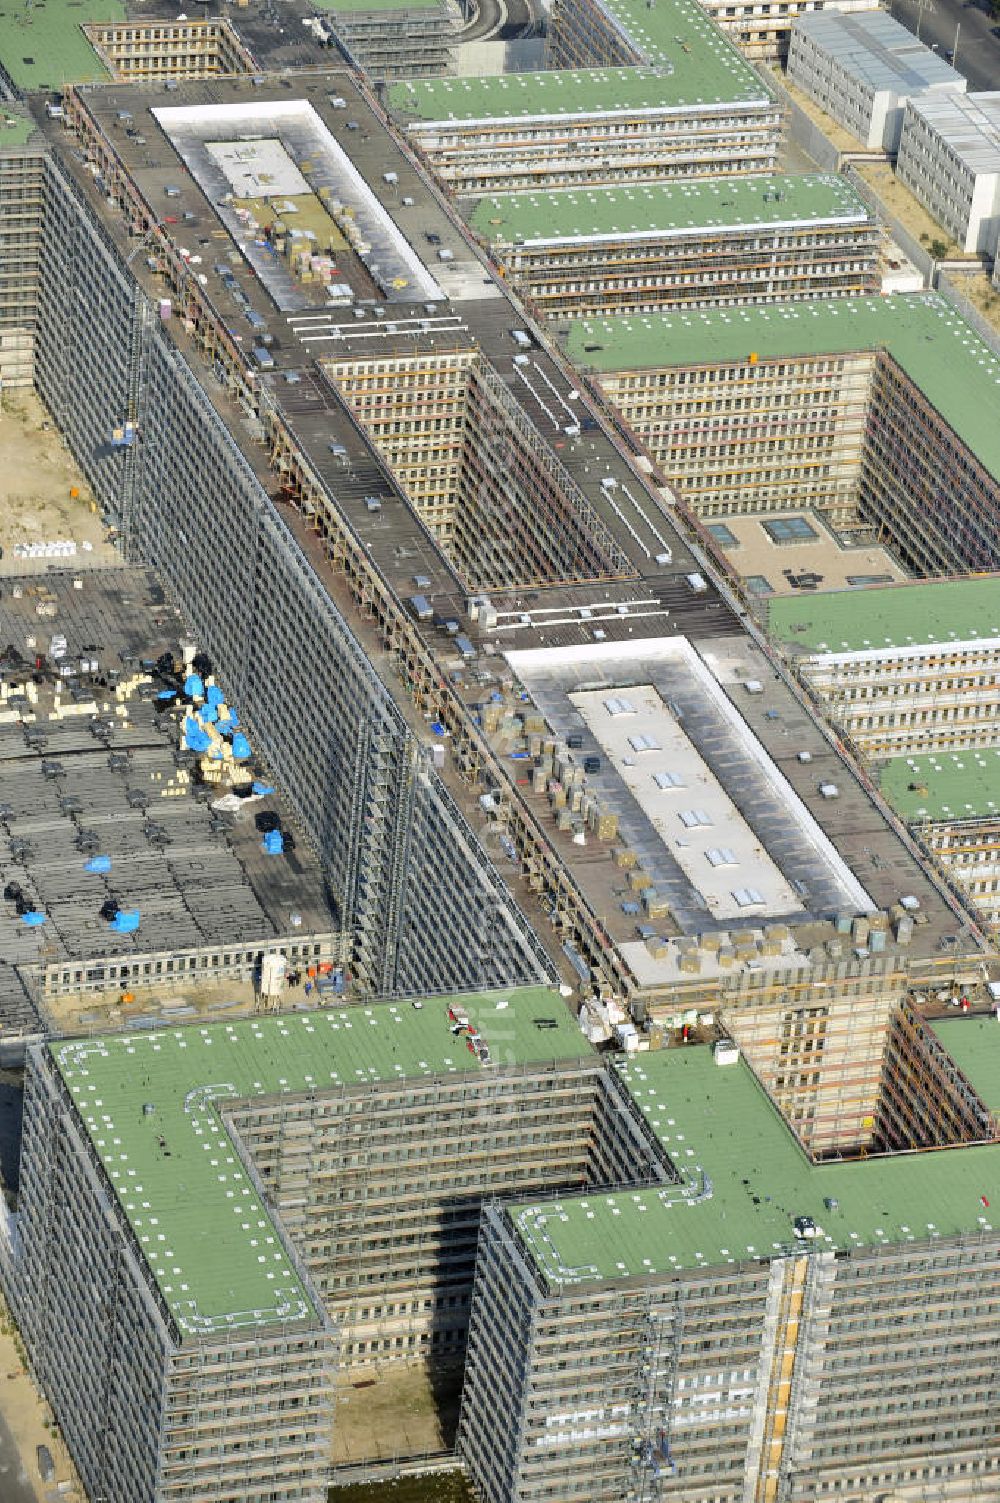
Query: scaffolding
{"points": [[141, 50], [593, 275], [757, 435]]}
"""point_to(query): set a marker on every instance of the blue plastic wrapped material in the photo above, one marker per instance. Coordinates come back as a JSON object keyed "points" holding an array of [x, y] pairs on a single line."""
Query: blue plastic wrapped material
{"points": [[33, 919], [228, 724], [194, 686], [125, 921], [214, 695], [261, 789], [195, 739], [437, 728], [98, 864], [167, 694], [241, 747], [210, 714], [272, 844]]}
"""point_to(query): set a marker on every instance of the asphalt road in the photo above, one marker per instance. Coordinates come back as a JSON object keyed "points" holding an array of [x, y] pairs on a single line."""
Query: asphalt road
{"points": [[978, 41], [497, 19]]}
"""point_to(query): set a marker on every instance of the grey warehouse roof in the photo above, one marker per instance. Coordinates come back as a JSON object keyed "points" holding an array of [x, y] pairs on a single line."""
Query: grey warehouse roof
{"points": [[875, 49], [969, 124]]}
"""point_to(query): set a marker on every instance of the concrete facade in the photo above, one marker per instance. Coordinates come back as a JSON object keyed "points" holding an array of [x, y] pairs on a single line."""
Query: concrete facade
{"points": [[862, 69], [949, 158]]}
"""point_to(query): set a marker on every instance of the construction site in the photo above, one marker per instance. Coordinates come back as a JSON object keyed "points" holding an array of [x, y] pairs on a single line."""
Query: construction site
{"points": [[627, 94], [740, 1262], [900, 668], [751, 1321], [843, 406], [440, 502], [682, 245], [126, 861], [413, 842]]}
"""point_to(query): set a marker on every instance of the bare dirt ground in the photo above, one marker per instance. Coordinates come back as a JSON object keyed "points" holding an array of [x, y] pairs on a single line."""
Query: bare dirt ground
{"points": [[24, 1413], [37, 476], [983, 296], [405, 1412], [832, 129], [914, 216]]}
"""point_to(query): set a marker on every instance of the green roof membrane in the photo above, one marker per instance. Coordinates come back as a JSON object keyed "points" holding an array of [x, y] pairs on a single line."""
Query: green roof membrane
{"points": [[665, 208], [15, 130], [691, 63], [944, 785], [904, 615], [974, 1045], [957, 372], [42, 46], [745, 1182], [150, 1103]]}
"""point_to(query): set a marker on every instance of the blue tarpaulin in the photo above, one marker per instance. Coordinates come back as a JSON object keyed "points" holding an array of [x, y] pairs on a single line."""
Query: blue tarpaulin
{"points": [[194, 686], [228, 725], [33, 919], [125, 921], [241, 747], [98, 864], [437, 727], [167, 694], [214, 695], [272, 844], [261, 789], [210, 714], [194, 737]]}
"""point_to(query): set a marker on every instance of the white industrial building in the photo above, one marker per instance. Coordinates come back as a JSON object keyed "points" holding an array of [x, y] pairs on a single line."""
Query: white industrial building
{"points": [[862, 69], [949, 158]]}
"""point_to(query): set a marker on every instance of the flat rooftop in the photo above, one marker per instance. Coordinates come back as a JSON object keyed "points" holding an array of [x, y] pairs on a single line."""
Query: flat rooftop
{"points": [[788, 553], [744, 1180], [956, 370], [889, 616], [365, 7], [255, 150], [729, 798], [689, 63], [151, 1104], [685, 803], [88, 769], [44, 46], [968, 123], [669, 208], [885, 618], [974, 1044], [477, 316], [16, 129], [877, 50], [944, 786]]}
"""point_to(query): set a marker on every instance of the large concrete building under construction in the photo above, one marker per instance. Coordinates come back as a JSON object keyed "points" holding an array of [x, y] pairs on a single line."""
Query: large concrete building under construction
{"points": [[901, 669], [441, 514], [632, 93], [479, 651], [872, 410], [674, 1297], [682, 245], [747, 1329]]}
